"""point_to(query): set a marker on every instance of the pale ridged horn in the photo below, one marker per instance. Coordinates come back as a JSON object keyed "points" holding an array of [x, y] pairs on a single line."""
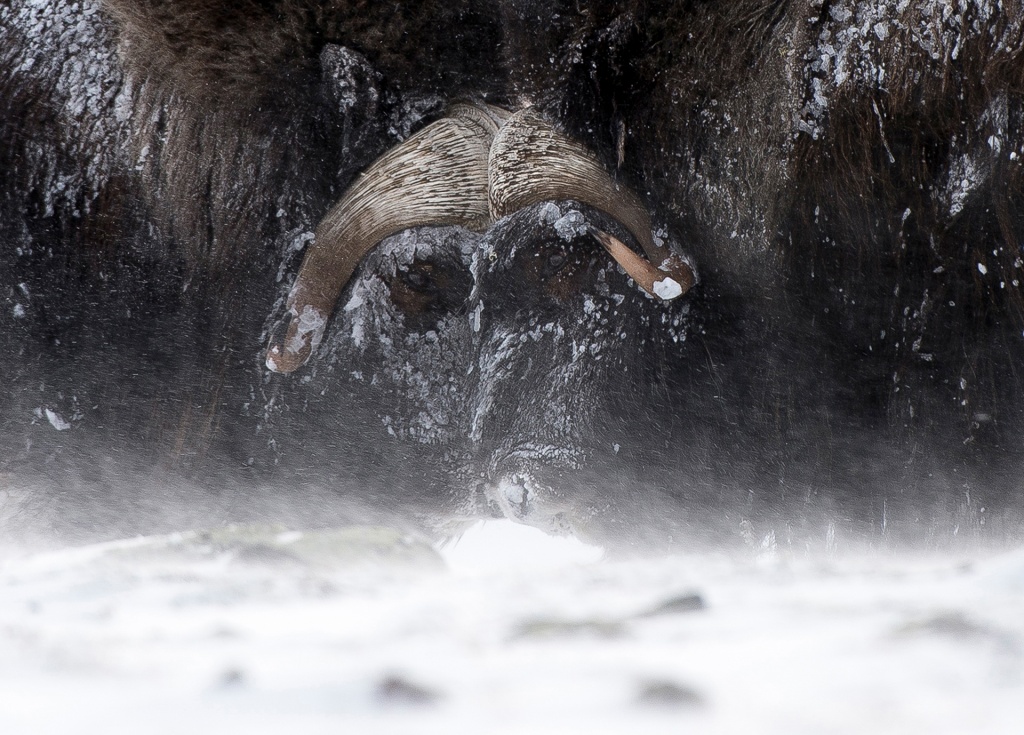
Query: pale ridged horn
{"points": [[531, 162], [436, 177]]}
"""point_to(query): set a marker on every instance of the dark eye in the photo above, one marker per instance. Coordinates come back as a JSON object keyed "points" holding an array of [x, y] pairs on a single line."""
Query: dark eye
{"points": [[555, 263], [417, 279], [425, 291]]}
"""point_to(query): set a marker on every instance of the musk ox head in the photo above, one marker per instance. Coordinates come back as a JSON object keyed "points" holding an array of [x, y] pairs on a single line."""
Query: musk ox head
{"points": [[549, 366]]}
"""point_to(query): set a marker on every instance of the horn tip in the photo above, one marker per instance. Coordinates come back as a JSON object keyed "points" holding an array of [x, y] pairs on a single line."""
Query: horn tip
{"points": [[283, 361], [293, 340], [667, 289]]}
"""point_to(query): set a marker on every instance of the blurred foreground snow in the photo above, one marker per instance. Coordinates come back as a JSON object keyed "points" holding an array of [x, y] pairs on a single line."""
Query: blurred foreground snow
{"points": [[261, 630]]}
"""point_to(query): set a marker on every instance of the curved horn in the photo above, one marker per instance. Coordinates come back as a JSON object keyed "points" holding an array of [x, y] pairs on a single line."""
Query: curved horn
{"points": [[531, 162], [438, 177]]}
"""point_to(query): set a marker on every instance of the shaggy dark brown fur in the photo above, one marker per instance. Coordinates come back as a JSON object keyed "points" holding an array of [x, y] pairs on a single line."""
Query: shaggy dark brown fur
{"points": [[846, 173], [241, 49]]}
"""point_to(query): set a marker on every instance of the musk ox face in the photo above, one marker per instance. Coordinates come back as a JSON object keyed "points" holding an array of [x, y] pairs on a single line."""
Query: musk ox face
{"points": [[548, 345], [519, 372]]}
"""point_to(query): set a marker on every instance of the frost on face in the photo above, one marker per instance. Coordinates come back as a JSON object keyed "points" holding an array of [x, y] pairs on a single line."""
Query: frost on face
{"points": [[539, 399], [563, 363], [571, 225], [547, 369], [413, 378], [542, 426], [55, 419]]}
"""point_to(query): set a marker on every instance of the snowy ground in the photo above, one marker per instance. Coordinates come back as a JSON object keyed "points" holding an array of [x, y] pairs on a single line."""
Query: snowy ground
{"points": [[265, 631]]}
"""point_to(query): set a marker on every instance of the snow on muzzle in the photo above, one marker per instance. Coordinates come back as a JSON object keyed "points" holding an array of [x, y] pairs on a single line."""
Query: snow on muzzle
{"points": [[520, 498], [535, 483]]}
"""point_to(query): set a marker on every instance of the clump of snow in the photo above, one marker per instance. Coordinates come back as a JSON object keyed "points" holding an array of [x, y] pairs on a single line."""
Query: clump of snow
{"points": [[667, 289], [495, 547], [549, 213], [56, 420], [571, 225], [965, 176]]}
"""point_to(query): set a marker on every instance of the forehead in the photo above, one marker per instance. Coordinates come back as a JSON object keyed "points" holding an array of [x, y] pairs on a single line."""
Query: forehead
{"points": [[563, 224], [452, 245]]}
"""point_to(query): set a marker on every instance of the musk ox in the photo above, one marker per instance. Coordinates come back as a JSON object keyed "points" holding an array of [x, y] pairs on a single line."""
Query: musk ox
{"points": [[684, 268]]}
